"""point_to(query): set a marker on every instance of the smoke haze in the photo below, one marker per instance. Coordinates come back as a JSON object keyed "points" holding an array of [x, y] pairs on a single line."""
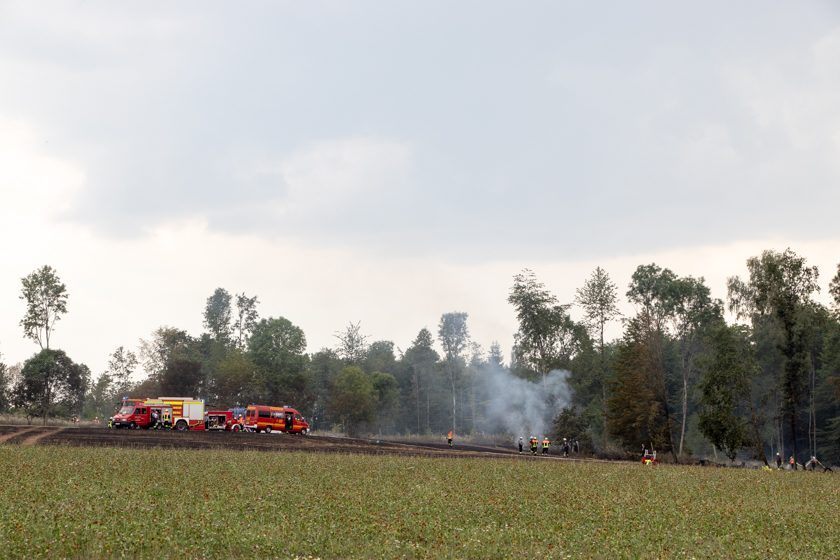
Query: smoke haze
{"points": [[521, 407]]}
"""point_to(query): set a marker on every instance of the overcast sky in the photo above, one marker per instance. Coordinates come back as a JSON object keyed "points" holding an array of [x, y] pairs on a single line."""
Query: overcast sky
{"points": [[386, 162]]}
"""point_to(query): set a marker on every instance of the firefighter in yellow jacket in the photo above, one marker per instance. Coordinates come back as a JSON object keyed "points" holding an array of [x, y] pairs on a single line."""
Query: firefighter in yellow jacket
{"points": [[545, 444]]}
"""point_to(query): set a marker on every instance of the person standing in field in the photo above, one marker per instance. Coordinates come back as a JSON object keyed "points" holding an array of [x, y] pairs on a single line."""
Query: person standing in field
{"points": [[533, 442], [778, 460], [521, 445], [449, 435], [545, 444]]}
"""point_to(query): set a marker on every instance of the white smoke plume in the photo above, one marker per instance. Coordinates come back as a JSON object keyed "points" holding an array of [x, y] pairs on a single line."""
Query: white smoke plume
{"points": [[520, 407]]}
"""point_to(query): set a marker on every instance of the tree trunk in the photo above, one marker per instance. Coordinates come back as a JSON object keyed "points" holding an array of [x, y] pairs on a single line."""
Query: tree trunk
{"points": [[604, 387]]}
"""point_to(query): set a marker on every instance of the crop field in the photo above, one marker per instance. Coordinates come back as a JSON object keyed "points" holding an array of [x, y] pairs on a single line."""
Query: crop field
{"points": [[58, 501]]}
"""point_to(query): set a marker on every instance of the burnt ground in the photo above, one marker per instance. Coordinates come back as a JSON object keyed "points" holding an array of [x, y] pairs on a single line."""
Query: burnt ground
{"points": [[275, 442]]}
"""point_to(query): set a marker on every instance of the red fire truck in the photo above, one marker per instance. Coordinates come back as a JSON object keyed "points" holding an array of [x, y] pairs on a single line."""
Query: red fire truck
{"points": [[222, 421], [180, 413], [262, 418]]}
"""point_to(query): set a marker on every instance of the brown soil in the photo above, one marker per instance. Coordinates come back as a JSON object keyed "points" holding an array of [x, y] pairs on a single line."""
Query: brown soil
{"points": [[276, 442]]}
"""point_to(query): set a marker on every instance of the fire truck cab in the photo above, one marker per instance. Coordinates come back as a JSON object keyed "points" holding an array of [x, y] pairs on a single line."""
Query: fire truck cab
{"points": [[262, 418]]}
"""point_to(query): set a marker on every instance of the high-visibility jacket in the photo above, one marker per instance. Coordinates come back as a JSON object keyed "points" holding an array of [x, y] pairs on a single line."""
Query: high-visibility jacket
{"points": [[546, 443], [533, 442]]}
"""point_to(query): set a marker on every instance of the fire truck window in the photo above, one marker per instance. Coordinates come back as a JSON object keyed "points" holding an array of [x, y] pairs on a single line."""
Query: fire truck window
{"points": [[265, 414], [298, 417]]}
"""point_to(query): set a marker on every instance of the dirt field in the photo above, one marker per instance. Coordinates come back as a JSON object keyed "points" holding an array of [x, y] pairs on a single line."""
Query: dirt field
{"points": [[276, 442]]}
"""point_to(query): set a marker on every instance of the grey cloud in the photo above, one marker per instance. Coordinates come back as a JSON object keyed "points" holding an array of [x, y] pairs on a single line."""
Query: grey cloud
{"points": [[538, 130]]}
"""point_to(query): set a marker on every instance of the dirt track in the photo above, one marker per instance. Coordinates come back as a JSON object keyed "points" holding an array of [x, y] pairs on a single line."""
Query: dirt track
{"points": [[276, 442]]}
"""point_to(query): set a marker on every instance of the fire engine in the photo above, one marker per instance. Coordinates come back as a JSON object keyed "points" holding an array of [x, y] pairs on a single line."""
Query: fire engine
{"points": [[262, 418], [222, 421], [180, 413]]}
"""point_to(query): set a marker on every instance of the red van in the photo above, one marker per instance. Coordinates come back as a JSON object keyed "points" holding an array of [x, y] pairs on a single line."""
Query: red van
{"points": [[263, 418]]}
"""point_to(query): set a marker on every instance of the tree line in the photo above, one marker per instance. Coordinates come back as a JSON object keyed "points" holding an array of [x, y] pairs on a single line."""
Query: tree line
{"points": [[680, 378]]}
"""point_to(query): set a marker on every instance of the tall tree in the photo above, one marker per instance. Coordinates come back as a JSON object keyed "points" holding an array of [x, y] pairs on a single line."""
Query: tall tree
{"points": [[165, 344], [217, 315], [51, 383], [547, 337], [121, 366], [834, 290], [454, 337], [46, 302], [353, 400], [637, 402], [352, 344], [387, 395], [692, 311], [494, 356], [5, 387], [421, 358], [246, 319], [780, 286], [725, 388], [277, 348], [599, 299]]}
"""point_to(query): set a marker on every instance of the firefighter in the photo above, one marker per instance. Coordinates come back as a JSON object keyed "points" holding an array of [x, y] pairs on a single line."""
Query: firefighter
{"points": [[449, 438], [545, 444], [565, 447], [155, 420], [533, 442], [521, 445]]}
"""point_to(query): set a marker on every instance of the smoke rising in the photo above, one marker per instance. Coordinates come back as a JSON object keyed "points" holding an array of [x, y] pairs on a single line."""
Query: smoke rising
{"points": [[520, 407]]}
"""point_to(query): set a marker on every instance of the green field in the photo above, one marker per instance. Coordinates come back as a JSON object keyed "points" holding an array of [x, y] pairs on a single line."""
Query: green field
{"points": [[90, 503]]}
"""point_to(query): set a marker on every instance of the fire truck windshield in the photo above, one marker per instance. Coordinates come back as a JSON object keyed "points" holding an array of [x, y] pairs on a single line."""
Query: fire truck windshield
{"points": [[126, 410]]}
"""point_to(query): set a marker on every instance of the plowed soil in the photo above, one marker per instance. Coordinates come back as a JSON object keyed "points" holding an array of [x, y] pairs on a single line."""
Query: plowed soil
{"points": [[275, 442]]}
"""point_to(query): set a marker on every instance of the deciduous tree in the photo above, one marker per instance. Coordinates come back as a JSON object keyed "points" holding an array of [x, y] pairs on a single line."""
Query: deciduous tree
{"points": [[51, 383], [352, 344], [217, 316], [780, 286], [246, 319], [46, 302], [454, 337]]}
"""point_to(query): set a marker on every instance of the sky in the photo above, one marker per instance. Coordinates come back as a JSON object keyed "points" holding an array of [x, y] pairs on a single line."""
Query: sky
{"points": [[387, 162]]}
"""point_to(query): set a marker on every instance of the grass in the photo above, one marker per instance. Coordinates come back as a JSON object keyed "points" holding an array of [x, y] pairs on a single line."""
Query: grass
{"points": [[113, 503]]}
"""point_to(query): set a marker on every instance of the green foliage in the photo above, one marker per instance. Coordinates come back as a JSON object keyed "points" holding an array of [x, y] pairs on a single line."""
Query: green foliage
{"points": [[725, 389], [218, 315], [547, 337], [834, 290], [780, 287], [233, 381], [571, 425], [46, 302], [637, 406], [245, 320], [5, 386], [354, 400], [51, 384], [182, 377], [121, 367], [277, 349], [387, 400], [352, 344]]}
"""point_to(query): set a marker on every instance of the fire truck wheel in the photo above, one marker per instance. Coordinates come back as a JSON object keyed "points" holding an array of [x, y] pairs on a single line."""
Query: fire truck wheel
{"points": [[268, 429], [235, 428], [132, 426], [181, 426]]}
